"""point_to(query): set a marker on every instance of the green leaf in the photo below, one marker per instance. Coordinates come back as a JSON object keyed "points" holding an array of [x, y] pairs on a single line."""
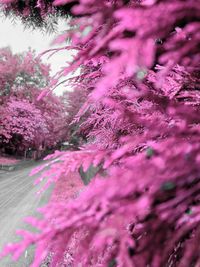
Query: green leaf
{"points": [[188, 211], [112, 263], [168, 186], [149, 152], [141, 74]]}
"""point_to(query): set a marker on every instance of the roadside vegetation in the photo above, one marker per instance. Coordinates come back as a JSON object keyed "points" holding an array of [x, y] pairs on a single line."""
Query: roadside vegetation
{"points": [[133, 118]]}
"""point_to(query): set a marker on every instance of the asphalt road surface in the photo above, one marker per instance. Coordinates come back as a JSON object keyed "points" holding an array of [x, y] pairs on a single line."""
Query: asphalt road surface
{"points": [[18, 199]]}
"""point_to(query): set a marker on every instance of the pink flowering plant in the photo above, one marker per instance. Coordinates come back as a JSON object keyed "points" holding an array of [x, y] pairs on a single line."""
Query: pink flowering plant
{"points": [[140, 63]]}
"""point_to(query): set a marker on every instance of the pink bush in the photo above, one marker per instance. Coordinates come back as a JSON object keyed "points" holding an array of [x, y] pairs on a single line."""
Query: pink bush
{"points": [[67, 188], [7, 161], [22, 122]]}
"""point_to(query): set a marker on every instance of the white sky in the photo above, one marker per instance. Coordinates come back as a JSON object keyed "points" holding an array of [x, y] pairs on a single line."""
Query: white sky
{"points": [[20, 39]]}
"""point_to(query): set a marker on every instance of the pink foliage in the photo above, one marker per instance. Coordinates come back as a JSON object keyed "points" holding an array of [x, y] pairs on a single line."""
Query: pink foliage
{"points": [[23, 78], [22, 120], [19, 70], [7, 161], [74, 102], [67, 188], [141, 63]]}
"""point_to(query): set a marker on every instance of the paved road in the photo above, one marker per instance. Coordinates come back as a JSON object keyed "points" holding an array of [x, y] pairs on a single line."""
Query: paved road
{"points": [[18, 200]]}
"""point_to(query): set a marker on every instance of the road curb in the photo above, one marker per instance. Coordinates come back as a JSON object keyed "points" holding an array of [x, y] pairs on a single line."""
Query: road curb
{"points": [[16, 166]]}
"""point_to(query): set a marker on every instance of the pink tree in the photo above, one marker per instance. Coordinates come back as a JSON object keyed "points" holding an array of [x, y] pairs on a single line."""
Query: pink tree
{"points": [[43, 14], [22, 125], [8, 70], [142, 209], [73, 102], [24, 77], [18, 71]]}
